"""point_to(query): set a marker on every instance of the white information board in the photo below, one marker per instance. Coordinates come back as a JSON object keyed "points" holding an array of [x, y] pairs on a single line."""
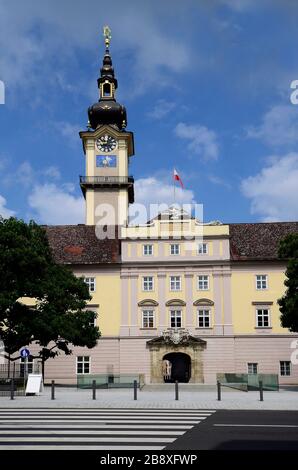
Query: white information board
{"points": [[34, 384]]}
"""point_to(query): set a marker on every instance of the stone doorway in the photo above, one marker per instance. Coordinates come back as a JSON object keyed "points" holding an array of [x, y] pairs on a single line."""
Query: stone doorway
{"points": [[181, 367], [192, 348]]}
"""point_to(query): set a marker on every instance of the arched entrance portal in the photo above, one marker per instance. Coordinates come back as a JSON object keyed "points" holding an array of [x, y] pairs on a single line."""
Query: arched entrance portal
{"points": [[180, 367]]}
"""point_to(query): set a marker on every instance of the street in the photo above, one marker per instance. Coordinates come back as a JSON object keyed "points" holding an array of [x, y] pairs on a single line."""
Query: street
{"points": [[242, 430]]}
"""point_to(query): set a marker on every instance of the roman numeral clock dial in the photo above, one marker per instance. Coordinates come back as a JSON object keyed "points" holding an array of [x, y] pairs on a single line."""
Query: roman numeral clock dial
{"points": [[106, 143]]}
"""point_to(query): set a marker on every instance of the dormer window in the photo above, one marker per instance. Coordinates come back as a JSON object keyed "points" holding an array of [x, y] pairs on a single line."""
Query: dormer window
{"points": [[106, 89]]}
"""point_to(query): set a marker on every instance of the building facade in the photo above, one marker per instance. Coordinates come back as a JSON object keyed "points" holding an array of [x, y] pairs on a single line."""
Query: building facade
{"points": [[200, 298]]}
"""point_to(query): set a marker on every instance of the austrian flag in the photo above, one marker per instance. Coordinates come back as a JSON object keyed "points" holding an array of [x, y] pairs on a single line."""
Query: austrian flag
{"points": [[177, 178]]}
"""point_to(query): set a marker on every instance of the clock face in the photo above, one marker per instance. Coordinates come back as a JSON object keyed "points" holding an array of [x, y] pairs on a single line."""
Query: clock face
{"points": [[106, 143]]}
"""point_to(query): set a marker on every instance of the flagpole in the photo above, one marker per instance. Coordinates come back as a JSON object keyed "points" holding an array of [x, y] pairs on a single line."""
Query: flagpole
{"points": [[174, 188]]}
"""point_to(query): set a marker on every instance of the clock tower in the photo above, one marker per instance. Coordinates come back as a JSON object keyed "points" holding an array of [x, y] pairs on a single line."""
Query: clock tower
{"points": [[107, 187]]}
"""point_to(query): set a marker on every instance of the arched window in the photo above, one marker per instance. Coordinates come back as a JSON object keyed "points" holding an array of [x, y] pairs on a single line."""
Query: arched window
{"points": [[106, 89], [204, 314], [148, 313]]}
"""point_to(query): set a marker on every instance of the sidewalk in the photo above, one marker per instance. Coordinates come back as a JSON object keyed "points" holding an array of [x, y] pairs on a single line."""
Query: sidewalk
{"points": [[190, 398]]}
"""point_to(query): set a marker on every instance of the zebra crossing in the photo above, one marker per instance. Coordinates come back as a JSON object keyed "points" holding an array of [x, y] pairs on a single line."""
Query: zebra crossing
{"points": [[95, 428]]}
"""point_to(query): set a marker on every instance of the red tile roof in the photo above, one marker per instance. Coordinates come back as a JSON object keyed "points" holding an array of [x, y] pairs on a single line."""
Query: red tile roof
{"points": [[78, 244], [258, 241]]}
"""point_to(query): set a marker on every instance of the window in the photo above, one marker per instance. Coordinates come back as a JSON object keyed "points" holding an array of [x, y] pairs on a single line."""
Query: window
{"points": [[285, 367], [175, 283], [148, 283], [204, 318], [263, 317], [148, 319], [203, 282], [261, 282], [26, 366], [175, 249], [147, 250], [175, 318], [90, 281], [252, 368], [202, 248], [83, 365], [106, 89]]}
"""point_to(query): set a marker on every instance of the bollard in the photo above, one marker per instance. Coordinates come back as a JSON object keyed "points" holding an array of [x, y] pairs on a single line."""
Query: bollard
{"points": [[93, 389], [176, 390], [135, 390], [53, 390], [218, 391], [12, 389], [261, 390]]}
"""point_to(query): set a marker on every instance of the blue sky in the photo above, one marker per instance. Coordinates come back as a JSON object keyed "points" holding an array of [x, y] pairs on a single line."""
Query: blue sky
{"points": [[207, 89]]}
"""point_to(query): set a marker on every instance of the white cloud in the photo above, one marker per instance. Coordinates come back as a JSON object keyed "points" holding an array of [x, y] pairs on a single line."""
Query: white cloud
{"points": [[279, 126], [69, 131], [240, 5], [201, 140], [157, 190], [4, 211], [42, 37], [274, 190], [56, 205], [161, 109], [219, 181], [52, 172], [26, 176]]}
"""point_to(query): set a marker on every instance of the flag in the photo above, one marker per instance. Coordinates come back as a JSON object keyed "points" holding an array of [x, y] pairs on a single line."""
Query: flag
{"points": [[177, 178]]}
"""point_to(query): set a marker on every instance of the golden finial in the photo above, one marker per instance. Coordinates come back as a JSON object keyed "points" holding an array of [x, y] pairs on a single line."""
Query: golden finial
{"points": [[107, 35]]}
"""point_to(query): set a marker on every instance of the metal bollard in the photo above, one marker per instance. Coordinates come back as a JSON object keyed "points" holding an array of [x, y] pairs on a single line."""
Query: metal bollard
{"points": [[176, 390], [12, 389], [53, 390], [135, 390], [93, 389], [261, 390], [218, 391]]}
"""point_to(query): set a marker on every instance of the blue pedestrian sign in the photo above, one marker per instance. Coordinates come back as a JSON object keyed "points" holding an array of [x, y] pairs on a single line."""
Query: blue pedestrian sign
{"points": [[25, 352]]}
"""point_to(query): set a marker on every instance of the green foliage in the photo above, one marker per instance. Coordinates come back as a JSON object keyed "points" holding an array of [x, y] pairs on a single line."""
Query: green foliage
{"points": [[288, 304], [59, 316]]}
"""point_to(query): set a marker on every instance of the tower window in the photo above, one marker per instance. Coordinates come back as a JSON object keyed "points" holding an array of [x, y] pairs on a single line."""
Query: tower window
{"points": [[106, 89]]}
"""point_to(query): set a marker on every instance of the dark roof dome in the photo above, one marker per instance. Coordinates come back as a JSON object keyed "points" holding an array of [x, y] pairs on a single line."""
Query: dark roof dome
{"points": [[107, 110]]}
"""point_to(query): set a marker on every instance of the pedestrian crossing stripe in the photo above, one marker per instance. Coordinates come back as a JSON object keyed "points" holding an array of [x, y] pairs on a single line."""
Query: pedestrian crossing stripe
{"points": [[95, 429]]}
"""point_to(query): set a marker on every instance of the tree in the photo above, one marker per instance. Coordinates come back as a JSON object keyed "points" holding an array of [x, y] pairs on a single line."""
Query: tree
{"points": [[58, 316], [288, 304]]}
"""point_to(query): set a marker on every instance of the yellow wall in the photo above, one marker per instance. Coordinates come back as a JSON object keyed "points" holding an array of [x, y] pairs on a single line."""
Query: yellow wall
{"points": [[244, 292], [108, 297]]}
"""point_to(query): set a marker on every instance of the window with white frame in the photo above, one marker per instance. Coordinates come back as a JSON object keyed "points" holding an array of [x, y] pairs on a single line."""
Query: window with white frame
{"points": [[204, 318], [147, 250], [175, 318], [203, 282], [26, 366], [91, 283], [252, 368], [202, 248], [175, 283], [148, 318], [261, 281], [148, 283], [285, 368], [83, 365], [263, 317], [175, 249]]}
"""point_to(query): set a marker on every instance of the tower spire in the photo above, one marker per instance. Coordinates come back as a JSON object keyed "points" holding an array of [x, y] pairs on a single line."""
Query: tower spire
{"points": [[107, 110], [108, 36]]}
